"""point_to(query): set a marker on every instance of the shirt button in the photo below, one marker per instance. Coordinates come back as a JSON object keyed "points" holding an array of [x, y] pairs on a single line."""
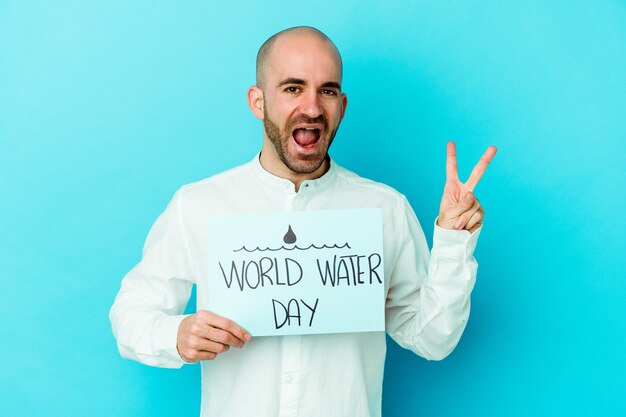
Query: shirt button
{"points": [[289, 379]]}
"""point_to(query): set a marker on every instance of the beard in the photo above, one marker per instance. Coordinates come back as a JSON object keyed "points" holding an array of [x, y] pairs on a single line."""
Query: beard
{"points": [[299, 163]]}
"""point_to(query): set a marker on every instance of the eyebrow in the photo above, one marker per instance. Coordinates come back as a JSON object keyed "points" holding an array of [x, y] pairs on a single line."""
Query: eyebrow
{"points": [[332, 84], [298, 81], [291, 81]]}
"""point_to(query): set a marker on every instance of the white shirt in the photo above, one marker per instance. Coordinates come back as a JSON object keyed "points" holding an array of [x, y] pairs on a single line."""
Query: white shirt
{"points": [[426, 309]]}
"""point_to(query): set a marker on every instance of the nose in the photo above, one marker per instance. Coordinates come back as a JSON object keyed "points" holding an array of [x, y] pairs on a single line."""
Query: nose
{"points": [[311, 105]]}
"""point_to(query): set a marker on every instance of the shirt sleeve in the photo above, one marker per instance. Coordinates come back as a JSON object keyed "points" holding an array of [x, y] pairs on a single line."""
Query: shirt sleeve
{"points": [[148, 308], [428, 301]]}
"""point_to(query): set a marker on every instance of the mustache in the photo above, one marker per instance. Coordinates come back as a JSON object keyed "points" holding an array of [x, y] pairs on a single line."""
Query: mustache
{"points": [[302, 118]]}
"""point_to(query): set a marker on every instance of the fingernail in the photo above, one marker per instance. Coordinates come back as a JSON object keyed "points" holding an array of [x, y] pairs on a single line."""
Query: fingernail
{"points": [[247, 337], [458, 224], [468, 197]]}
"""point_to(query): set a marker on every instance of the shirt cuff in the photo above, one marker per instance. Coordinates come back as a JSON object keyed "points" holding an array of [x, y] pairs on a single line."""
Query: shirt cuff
{"points": [[451, 243], [168, 335]]}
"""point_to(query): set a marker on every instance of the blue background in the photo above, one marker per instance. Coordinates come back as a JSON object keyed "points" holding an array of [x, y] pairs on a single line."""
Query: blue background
{"points": [[106, 108]]}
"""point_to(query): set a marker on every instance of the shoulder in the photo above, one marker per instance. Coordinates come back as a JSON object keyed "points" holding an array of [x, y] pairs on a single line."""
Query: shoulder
{"points": [[229, 178], [373, 189], [207, 193]]}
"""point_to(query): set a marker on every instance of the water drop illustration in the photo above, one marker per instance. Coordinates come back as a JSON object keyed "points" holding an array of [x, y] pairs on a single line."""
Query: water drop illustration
{"points": [[290, 236]]}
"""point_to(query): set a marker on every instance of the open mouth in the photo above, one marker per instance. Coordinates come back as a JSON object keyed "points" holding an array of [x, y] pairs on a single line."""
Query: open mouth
{"points": [[306, 137]]}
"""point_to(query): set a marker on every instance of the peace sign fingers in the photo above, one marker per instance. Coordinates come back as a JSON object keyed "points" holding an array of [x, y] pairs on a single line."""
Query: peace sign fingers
{"points": [[459, 208], [480, 167], [452, 170]]}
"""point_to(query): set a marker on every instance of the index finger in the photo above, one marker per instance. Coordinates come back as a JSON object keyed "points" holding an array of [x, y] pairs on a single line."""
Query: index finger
{"points": [[227, 325], [452, 171], [480, 167]]}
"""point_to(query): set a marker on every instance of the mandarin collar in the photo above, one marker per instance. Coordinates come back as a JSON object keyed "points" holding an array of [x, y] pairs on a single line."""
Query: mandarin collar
{"points": [[278, 182]]}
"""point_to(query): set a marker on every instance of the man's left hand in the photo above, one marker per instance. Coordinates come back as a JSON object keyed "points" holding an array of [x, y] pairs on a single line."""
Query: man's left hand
{"points": [[459, 209]]}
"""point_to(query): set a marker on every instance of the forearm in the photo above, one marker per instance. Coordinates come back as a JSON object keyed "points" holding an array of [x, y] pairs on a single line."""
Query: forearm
{"points": [[431, 320], [146, 332], [148, 309]]}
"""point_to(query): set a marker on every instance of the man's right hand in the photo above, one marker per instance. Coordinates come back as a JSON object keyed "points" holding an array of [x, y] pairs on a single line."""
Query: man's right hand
{"points": [[204, 335]]}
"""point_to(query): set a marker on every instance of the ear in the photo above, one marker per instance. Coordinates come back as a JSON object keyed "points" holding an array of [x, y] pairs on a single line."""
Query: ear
{"points": [[256, 101], [344, 104]]}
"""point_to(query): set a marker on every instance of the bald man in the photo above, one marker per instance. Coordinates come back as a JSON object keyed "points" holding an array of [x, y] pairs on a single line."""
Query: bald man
{"points": [[299, 99]]}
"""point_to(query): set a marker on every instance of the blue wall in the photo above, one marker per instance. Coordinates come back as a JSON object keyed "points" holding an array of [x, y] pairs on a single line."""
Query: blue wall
{"points": [[106, 108]]}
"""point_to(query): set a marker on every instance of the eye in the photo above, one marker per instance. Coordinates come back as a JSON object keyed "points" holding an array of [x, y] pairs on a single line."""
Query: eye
{"points": [[328, 92], [292, 90]]}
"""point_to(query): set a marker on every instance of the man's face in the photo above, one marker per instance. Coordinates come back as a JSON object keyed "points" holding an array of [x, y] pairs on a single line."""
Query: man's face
{"points": [[303, 103]]}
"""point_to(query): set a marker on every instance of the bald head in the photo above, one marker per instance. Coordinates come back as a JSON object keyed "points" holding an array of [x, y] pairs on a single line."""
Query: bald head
{"points": [[265, 51]]}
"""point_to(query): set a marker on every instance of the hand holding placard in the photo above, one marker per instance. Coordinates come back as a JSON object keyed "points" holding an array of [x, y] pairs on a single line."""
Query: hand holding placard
{"points": [[204, 335]]}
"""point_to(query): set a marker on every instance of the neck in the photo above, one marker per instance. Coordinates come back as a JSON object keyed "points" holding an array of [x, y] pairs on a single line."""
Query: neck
{"points": [[271, 162]]}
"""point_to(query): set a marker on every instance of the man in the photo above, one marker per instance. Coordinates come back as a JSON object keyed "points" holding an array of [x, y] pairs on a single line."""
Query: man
{"points": [[299, 99]]}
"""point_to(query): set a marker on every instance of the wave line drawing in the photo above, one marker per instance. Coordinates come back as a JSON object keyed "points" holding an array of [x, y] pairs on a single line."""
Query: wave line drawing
{"points": [[314, 246]]}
